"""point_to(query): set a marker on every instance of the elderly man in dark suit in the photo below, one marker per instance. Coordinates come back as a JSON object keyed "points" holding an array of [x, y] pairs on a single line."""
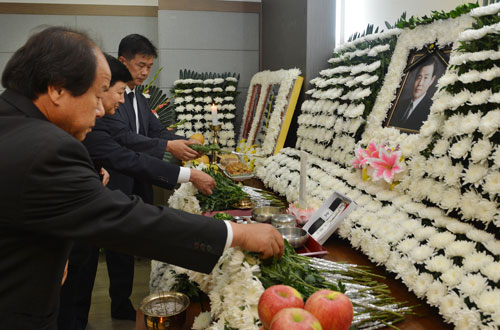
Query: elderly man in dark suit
{"points": [[413, 111], [51, 195]]}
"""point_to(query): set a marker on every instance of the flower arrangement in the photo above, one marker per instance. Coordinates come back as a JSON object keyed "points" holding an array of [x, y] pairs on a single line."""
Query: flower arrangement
{"points": [[238, 272], [437, 230], [446, 206], [195, 94], [379, 162]]}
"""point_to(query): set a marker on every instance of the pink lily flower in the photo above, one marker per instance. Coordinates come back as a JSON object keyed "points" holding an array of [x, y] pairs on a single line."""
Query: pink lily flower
{"points": [[361, 158], [373, 150], [364, 155], [387, 165]]}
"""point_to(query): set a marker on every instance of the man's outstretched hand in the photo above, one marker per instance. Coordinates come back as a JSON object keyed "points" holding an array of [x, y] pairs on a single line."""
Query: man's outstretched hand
{"points": [[181, 150], [258, 237], [203, 181]]}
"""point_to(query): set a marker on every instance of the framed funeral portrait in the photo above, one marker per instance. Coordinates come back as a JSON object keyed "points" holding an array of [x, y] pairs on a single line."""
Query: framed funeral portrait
{"points": [[414, 98], [269, 108]]}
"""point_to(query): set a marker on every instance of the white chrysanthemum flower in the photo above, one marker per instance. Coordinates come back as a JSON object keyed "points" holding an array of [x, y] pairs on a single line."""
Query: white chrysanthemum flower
{"points": [[473, 284], [470, 123], [441, 147], [492, 183], [490, 123], [476, 261], [452, 276], [460, 248], [479, 97], [394, 235], [481, 150], [421, 284], [420, 188], [439, 166], [411, 225], [435, 194], [424, 233], [451, 198], [439, 264], [368, 220], [492, 271], [407, 245], [356, 237], [486, 210], [452, 177], [452, 125], [467, 319], [469, 201], [488, 301], [379, 251], [202, 321], [461, 148], [450, 304], [475, 173], [436, 292], [421, 253]]}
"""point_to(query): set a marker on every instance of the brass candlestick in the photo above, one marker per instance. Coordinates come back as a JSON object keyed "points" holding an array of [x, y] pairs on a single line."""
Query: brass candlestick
{"points": [[215, 129]]}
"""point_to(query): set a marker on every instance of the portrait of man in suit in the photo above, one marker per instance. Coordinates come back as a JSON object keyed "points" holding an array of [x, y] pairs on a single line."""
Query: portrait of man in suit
{"points": [[414, 99]]}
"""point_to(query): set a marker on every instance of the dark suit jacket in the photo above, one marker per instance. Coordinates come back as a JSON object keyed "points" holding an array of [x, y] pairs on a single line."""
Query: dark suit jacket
{"points": [[124, 162], [152, 140], [50, 195], [417, 117]]}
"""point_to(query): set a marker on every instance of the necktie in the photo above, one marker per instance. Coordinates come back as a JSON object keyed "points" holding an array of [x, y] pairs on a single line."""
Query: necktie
{"points": [[408, 111], [131, 97]]}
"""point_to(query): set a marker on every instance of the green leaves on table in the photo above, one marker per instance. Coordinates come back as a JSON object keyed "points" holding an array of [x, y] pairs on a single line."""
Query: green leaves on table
{"points": [[294, 270], [222, 216], [225, 194]]}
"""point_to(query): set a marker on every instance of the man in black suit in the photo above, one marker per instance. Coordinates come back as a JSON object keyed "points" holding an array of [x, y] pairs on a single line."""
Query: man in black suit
{"points": [[413, 111], [51, 194]]}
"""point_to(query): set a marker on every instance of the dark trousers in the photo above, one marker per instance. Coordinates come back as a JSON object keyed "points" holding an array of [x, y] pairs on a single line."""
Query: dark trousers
{"points": [[121, 280], [76, 293]]}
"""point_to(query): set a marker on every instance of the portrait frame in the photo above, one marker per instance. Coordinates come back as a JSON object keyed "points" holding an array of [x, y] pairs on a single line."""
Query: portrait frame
{"points": [[442, 33], [278, 113], [429, 59]]}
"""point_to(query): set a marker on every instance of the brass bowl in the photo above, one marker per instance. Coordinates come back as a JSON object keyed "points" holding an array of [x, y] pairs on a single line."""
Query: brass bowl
{"points": [[165, 310], [265, 214], [297, 237], [245, 203]]}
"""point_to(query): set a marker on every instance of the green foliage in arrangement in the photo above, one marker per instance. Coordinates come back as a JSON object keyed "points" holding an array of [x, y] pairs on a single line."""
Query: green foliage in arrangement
{"points": [[225, 194], [413, 21], [294, 270]]}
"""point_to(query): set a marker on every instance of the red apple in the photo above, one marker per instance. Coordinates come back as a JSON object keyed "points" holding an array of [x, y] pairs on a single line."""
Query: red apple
{"points": [[333, 309], [294, 319], [274, 299]]}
